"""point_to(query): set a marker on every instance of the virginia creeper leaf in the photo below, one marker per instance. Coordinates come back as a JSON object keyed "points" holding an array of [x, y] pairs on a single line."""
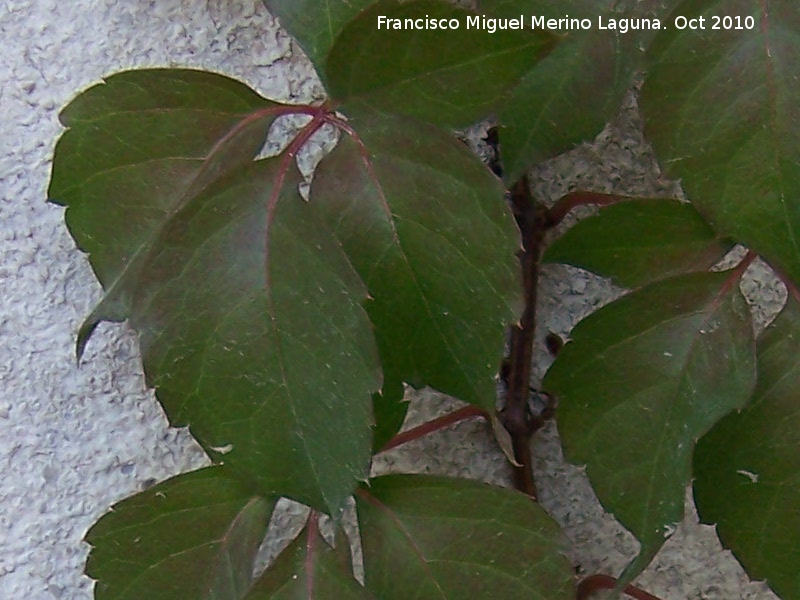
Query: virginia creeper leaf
{"points": [[310, 569], [250, 323], [450, 77], [747, 467], [192, 537], [254, 334], [428, 230], [316, 24], [156, 136], [433, 537], [636, 242], [571, 94], [722, 112], [642, 380]]}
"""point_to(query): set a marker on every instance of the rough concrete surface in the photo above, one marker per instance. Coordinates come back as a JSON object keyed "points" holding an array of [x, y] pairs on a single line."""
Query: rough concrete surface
{"points": [[75, 439]]}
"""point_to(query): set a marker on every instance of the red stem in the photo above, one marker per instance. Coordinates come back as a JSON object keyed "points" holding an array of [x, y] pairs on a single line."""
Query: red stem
{"points": [[303, 136], [362, 148], [593, 583], [736, 274], [289, 154], [468, 412]]}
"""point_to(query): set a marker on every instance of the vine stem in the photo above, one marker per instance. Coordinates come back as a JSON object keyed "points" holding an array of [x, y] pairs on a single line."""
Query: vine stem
{"points": [[533, 220], [594, 583], [468, 412]]}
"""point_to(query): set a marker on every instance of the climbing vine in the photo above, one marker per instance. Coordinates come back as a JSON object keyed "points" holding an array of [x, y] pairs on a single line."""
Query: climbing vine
{"points": [[283, 332]]}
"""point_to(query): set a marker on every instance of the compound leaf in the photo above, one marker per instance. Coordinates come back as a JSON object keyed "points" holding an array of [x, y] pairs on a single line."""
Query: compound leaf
{"points": [[426, 226], [450, 77], [721, 110], [250, 318], [642, 380], [433, 537], [638, 241], [747, 467], [310, 569], [192, 537]]}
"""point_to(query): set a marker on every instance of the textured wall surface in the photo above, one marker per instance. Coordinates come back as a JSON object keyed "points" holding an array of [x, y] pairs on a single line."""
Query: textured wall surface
{"points": [[74, 439]]}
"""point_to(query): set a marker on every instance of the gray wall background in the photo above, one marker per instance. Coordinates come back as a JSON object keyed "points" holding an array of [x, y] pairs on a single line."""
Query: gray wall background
{"points": [[74, 440]]}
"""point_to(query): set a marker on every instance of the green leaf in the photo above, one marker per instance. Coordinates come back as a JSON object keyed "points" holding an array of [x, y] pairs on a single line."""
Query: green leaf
{"points": [[254, 334], [250, 320], [433, 537], [427, 228], [644, 378], [192, 110], [312, 570], [748, 467], [166, 133], [316, 24], [571, 94], [638, 241], [449, 77], [722, 113], [192, 537]]}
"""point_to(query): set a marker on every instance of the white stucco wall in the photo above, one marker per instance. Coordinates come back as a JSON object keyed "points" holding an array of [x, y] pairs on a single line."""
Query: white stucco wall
{"points": [[73, 440]]}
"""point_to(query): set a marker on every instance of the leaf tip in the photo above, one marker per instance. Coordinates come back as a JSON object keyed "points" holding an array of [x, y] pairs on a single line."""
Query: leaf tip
{"points": [[84, 333]]}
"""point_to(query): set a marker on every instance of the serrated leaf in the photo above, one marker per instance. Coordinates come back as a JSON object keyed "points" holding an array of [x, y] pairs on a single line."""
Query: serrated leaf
{"points": [[433, 537], [571, 94], [642, 380], [253, 334], [310, 569], [638, 241], [747, 468], [192, 537], [427, 228], [721, 111], [316, 24], [250, 321], [168, 133], [448, 77]]}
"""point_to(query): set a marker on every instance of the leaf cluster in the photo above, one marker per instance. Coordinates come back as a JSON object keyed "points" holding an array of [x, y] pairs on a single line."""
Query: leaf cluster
{"points": [[282, 331]]}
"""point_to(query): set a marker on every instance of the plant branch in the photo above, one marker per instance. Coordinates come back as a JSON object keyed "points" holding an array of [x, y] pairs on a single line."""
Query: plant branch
{"points": [[309, 129], [736, 274], [468, 412], [533, 220], [743, 265], [594, 583], [285, 109]]}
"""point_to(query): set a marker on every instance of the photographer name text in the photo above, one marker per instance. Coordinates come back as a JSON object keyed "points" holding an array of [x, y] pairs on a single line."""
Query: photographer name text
{"points": [[566, 23]]}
